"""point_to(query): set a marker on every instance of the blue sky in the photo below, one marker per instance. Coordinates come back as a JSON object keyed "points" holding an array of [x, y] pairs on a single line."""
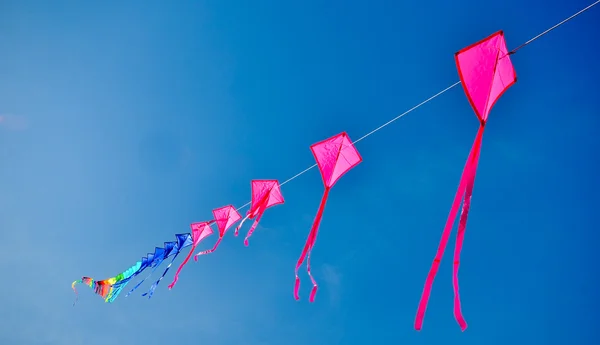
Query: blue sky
{"points": [[125, 122]]}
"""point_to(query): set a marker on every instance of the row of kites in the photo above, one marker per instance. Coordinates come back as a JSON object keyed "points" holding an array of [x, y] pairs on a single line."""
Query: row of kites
{"points": [[486, 72]]}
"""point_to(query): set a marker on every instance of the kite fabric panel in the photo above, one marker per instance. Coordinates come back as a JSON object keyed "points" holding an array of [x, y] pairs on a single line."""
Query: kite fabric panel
{"points": [[225, 217], [265, 194], [486, 72], [335, 157], [200, 231]]}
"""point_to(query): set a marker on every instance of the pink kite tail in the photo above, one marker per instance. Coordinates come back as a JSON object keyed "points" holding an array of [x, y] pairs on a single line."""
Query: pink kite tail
{"points": [[304, 253], [460, 235], [313, 292], [446, 234], [210, 250], [261, 210], [187, 258], [237, 229], [310, 241]]}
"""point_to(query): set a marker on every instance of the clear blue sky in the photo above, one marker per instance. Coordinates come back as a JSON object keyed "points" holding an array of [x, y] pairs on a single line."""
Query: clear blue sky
{"points": [[126, 121]]}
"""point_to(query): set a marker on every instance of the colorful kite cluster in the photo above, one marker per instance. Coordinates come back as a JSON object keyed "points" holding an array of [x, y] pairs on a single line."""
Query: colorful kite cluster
{"points": [[485, 71]]}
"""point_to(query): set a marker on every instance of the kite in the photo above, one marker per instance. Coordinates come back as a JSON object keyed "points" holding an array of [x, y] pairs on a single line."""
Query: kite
{"points": [[104, 288], [110, 288], [101, 288], [486, 72], [335, 157], [160, 254], [265, 193], [199, 232], [183, 240], [225, 217], [120, 285]]}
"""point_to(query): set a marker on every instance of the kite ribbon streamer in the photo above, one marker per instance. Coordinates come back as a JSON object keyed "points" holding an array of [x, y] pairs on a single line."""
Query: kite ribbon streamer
{"points": [[465, 190], [75, 290], [85, 280], [259, 212], [237, 229], [140, 283], [153, 287], [312, 237], [208, 251], [187, 258], [199, 232]]}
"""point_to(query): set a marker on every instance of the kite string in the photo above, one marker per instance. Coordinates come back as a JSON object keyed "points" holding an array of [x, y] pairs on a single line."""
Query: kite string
{"points": [[554, 27], [368, 134], [436, 95]]}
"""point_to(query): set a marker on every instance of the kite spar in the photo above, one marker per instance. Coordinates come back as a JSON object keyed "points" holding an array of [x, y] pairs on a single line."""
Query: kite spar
{"points": [[486, 72]]}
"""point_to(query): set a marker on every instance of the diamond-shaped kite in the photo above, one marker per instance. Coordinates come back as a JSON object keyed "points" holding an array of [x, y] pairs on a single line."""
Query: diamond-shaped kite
{"points": [[199, 232], [160, 254], [335, 157], [225, 217], [486, 72], [265, 193], [183, 240]]}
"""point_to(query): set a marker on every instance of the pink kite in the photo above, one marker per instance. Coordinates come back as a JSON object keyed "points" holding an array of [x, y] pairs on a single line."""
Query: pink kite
{"points": [[486, 72], [265, 193], [225, 217], [199, 232], [335, 156]]}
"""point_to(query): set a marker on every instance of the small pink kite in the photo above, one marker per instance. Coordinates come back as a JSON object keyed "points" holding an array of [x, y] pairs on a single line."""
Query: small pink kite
{"points": [[199, 232], [225, 217], [265, 193], [335, 157], [486, 72]]}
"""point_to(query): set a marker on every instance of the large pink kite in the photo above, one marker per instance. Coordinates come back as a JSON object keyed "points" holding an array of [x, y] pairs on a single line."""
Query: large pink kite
{"points": [[486, 72], [265, 193], [225, 217], [199, 232], [335, 156]]}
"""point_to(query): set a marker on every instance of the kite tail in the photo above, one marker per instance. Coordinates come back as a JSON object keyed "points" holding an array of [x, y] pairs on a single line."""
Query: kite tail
{"points": [[75, 290], [446, 234], [254, 225], [187, 258], [310, 241], [209, 250], [140, 283], [460, 235], [313, 292], [153, 287], [116, 291], [237, 229]]}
